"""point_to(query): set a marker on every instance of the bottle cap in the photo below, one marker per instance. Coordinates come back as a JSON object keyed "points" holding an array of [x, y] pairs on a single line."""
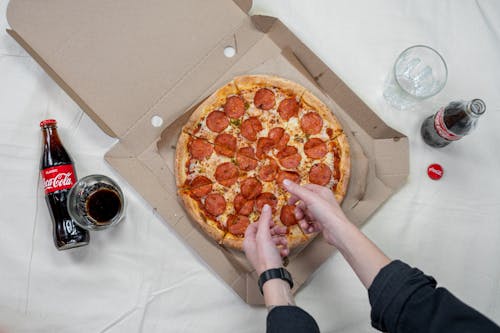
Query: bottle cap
{"points": [[48, 122], [435, 171]]}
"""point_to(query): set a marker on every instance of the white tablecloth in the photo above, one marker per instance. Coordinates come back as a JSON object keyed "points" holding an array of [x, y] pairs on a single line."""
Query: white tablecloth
{"points": [[139, 277]]}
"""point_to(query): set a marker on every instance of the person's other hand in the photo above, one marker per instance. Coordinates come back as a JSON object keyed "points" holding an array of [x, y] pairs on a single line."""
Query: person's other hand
{"points": [[262, 240], [317, 210]]}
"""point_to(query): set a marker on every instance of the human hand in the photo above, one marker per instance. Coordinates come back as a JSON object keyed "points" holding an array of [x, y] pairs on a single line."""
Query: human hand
{"points": [[317, 210], [261, 241]]}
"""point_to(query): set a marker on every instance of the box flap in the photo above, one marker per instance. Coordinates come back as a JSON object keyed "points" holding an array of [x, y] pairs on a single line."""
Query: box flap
{"points": [[147, 48]]}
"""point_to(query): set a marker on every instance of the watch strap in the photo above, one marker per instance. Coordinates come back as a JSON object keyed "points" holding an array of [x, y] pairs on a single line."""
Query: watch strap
{"points": [[275, 273]]}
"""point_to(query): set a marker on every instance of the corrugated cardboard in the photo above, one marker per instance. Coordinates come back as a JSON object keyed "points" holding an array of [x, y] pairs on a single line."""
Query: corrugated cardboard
{"points": [[125, 62]]}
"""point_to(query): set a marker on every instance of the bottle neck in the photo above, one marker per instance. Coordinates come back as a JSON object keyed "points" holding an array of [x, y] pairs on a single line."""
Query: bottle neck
{"points": [[50, 135], [475, 108]]}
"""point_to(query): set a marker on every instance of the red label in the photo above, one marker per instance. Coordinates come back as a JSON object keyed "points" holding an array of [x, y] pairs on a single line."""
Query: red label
{"points": [[61, 177], [441, 129]]}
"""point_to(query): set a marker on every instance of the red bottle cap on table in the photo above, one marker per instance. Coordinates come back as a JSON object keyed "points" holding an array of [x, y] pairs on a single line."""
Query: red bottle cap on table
{"points": [[435, 171], [48, 122]]}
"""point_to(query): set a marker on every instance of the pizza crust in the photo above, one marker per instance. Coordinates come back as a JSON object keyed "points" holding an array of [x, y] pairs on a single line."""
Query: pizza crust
{"points": [[254, 82], [214, 101], [208, 226], [296, 236], [233, 241], [345, 168], [191, 205], [181, 159]]}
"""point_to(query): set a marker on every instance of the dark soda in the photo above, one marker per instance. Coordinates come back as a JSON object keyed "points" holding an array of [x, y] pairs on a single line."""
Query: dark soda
{"points": [[58, 175], [452, 122], [103, 205]]}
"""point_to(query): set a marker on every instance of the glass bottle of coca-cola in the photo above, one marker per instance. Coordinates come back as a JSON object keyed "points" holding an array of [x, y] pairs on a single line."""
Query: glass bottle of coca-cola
{"points": [[452, 122], [58, 176]]}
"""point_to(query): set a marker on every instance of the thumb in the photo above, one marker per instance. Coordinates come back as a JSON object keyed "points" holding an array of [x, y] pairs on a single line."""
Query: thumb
{"points": [[300, 192], [263, 232]]}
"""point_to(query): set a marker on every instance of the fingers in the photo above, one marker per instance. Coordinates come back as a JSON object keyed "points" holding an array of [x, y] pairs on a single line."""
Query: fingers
{"points": [[280, 241], [278, 230], [300, 210], [249, 242], [322, 191], [251, 231], [308, 227], [293, 199], [300, 192], [299, 214], [282, 244]]}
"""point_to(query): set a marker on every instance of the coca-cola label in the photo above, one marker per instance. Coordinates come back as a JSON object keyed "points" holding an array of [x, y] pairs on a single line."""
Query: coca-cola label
{"points": [[61, 177], [441, 128]]}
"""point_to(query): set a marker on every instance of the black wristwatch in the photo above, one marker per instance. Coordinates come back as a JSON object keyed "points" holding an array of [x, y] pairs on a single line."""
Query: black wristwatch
{"points": [[275, 273]]}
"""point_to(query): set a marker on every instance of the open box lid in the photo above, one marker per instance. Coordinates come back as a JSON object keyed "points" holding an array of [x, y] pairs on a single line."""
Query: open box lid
{"points": [[148, 48]]}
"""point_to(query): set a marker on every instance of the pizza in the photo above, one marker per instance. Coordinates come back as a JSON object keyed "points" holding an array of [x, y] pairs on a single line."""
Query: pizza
{"points": [[241, 143]]}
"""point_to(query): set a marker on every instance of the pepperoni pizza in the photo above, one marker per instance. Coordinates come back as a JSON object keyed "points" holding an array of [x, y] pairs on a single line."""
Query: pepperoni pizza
{"points": [[242, 142]]}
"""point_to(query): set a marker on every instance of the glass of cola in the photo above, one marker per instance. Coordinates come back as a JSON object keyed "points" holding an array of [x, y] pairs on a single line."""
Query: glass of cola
{"points": [[96, 202]]}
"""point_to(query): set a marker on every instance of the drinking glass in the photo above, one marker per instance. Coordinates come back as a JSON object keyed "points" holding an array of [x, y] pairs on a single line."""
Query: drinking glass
{"points": [[96, 202], [419, 72]]}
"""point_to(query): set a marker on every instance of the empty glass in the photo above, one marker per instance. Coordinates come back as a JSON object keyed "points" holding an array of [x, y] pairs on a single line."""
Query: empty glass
{"points": [[419, 73]]}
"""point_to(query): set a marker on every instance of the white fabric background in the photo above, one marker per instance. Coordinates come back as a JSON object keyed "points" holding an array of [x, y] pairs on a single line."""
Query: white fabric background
{"points": [[139, 277]]}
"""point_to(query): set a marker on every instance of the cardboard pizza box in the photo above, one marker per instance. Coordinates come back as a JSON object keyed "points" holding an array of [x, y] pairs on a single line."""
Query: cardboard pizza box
{"points": [[139, 68]]}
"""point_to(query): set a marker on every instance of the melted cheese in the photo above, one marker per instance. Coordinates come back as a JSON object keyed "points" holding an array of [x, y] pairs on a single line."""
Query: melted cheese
{"points": [[269, 119]]}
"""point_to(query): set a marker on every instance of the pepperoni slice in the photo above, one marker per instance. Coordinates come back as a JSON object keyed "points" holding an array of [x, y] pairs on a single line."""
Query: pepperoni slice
{"points": [[200, 149], [311, 123], [288, 108], [251, 187], [264, 145], [200, 186], [292, 176], [250, 128], [225, 144], [264, 99], [268, 172], [217, 121], [234, 107], [226, 173], [289, 157], [215, 204], [279, 137], [320, 174], [242, 205], [315, 148], [287, 215], [266, 198], [246, 159], [237, 224]]}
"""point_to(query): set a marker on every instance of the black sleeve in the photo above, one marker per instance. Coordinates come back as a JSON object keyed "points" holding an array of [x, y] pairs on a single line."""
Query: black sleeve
{"points": [[290, 319], [403, 299]]}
